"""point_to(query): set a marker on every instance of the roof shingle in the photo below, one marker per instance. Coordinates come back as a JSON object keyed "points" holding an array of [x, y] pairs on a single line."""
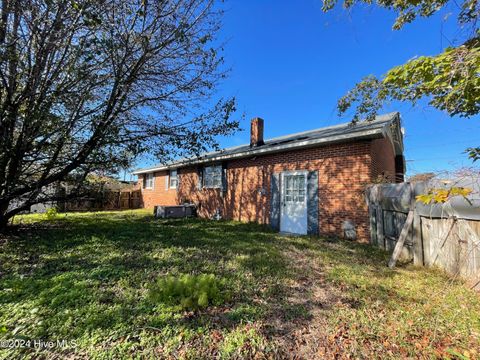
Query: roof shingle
{"points": [[332, 134]]}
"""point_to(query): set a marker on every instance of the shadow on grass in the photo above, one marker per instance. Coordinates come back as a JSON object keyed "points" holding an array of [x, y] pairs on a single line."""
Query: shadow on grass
{"points": [[66, 274], [87, 277]]}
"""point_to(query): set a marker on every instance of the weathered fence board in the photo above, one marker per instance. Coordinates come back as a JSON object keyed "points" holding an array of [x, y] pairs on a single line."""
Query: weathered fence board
{"points": [[452, 245], [407, 224], [435, 237]]}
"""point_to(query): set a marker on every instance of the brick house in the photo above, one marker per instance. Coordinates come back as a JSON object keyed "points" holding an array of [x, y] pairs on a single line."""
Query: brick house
{"points": [[305, 183]]}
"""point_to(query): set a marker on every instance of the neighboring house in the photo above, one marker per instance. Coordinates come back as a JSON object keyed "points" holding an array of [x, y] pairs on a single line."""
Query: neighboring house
{"points": [[305, 183]]}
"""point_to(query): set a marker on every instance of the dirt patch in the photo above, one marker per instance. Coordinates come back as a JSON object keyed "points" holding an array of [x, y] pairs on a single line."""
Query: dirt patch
{"points": [[297, 326]]}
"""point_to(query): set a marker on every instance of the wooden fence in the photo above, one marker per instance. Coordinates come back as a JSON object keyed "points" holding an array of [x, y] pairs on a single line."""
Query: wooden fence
{"points": [[105, 200], [449, 239], [130, 199]]}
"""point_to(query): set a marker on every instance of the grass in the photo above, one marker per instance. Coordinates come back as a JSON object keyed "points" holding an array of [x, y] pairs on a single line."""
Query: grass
{"points": [[85, 278]]}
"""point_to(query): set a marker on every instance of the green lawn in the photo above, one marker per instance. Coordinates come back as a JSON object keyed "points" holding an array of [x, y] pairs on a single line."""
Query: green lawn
{"points": [[86, 279]]}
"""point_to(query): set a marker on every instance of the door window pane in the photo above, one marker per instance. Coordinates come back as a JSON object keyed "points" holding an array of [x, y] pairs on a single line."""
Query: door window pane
{"points": [[294, 188]]}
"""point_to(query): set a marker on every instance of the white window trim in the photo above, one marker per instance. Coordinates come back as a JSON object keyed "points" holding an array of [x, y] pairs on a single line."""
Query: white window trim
{"points": [[204, 177], [146, 181], [169, 177]]}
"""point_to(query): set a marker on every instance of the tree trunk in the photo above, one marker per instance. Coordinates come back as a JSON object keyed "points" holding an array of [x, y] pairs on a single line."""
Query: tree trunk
{"points": [[3, 219]]}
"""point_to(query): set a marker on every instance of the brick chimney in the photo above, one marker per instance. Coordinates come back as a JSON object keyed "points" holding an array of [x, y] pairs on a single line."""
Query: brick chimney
{"points": [[256, 132]]}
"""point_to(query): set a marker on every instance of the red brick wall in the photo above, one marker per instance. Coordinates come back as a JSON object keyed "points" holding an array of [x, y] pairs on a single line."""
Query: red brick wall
{"points": [[383, 160], [344, 170], [159, 195]]}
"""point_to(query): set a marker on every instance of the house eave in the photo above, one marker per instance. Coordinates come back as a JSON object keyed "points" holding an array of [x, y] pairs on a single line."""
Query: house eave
{"points": [[364, 135]]}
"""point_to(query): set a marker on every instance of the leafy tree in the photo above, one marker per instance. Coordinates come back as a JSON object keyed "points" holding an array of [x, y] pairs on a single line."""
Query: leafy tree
{"points": [[449, 80], [87, 85]]}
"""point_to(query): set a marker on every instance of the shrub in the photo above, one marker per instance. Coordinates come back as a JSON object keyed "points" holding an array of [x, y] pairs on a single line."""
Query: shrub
{"points": [[190, 292], [51, 213]]}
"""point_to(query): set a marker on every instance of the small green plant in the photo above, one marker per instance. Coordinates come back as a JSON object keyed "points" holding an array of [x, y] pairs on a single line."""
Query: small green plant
{"points": [[51, 213], [241, 343], [190, 292]]}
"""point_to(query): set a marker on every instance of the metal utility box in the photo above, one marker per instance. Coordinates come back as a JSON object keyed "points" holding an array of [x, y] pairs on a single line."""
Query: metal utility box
{"points": [[174, 211]]}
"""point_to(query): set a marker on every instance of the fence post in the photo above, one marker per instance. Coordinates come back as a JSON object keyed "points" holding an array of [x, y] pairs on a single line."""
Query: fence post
{"points": [[417, 236], [373, 224], [417, 240], [380, 227]]}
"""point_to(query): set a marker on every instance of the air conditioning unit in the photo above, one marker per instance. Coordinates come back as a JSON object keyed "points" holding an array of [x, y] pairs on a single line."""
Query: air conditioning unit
{"points": [[174, 211]]}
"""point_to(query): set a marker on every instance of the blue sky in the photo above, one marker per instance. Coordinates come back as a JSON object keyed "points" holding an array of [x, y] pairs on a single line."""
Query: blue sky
{"points": [[290, 62]]}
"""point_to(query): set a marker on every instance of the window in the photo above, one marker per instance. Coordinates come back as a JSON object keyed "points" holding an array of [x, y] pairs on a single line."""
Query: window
{"points": [[294, 188], [148, 181], [212, 177], [173, 179]]}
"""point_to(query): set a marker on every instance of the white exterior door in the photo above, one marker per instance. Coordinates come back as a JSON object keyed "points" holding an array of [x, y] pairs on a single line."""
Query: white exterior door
{"points": [[293, 204]]}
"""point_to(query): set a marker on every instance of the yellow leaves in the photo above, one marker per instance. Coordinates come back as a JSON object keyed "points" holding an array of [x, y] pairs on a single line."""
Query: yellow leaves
{"points": [[441, 196]]}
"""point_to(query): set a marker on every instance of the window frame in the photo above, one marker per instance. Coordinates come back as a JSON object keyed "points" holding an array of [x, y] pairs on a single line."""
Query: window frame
{"points": [[217, 181], [175, 178], [295, 189], [294, 194], [149, 177]]}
